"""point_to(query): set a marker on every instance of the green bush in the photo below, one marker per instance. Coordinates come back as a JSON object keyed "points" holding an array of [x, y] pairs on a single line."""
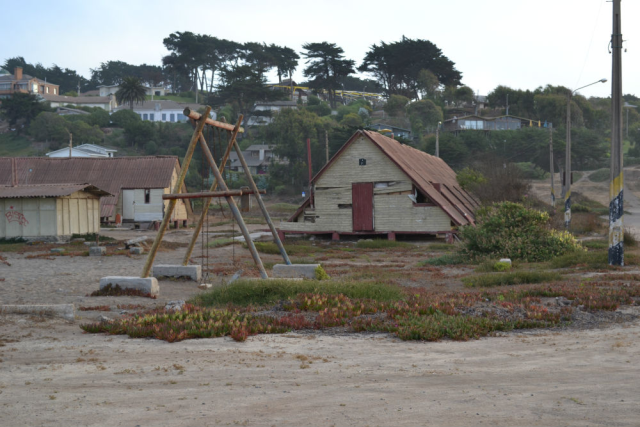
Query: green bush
{"points": [[510, 230], [321, 274], [502, 266]]}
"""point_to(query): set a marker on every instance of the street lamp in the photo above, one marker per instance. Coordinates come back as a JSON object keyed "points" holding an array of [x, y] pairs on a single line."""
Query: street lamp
{"points": [[567, 173]]}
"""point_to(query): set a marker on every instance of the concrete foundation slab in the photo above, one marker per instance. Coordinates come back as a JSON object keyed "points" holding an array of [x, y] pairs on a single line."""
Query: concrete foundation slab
{"points": [[97, 251], [284, 271], [144, 284], [136, 250], [66, 311], [192, 272]]}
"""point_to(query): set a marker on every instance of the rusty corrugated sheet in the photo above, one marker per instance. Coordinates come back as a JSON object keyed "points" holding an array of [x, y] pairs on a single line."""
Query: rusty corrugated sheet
{"points": [[109, 174], [425, 170], [46, 190]]}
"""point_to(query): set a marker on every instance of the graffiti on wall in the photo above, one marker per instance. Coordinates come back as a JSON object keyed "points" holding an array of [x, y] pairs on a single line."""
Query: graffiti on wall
{"points": [[16, 216]]}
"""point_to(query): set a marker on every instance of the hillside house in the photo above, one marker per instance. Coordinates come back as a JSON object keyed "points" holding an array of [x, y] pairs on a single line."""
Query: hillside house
{"points": [[18, 82], [107, 103], [135, 184], [258, 158], [106, 90], [487, 124], [83, 150], [51, 212], [162, 111], [376, 185], [395, 130], [263, 112]]}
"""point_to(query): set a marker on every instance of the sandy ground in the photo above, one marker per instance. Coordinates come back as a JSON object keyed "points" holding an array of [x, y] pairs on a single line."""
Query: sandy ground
{"points": [[52, 374], [58, 376]]}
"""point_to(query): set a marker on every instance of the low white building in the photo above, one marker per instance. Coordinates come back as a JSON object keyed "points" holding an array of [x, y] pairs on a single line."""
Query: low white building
{"points": [[161, 111], [105, 102], [84, 150], [106, 90]]}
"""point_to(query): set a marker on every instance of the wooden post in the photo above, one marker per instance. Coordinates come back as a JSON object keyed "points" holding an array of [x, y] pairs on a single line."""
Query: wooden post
{"points": [[197, 134], [207, 202], [263, 208], [234, 209]]}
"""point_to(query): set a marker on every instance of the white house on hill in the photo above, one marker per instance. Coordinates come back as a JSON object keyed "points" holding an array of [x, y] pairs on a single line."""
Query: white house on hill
{"points": [[84, 150]]}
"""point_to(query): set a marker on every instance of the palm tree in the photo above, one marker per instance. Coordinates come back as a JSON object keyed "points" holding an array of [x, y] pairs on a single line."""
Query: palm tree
{"points": [[131, 90]]}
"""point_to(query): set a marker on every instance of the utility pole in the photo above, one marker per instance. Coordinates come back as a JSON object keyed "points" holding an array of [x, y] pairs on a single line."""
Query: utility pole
{"points": [[553, 193], [628, 106], [616, 186], [507, 104], [438, 140], [326, 144], [567, 167], [566, 187], [70, 145]]}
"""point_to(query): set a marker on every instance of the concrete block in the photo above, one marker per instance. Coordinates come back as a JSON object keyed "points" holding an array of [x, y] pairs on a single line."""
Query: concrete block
{"points": [[57, 250], [507, 260], [307, 271], [90, 244], [97, 251], [192, 272], [205, 286], [66, 311], [136, 250], [144, 284]]}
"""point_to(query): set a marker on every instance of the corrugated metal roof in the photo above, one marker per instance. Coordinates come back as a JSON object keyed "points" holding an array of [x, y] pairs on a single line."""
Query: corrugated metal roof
{"points": [[47, 190], [424, 170], [108, 173]]}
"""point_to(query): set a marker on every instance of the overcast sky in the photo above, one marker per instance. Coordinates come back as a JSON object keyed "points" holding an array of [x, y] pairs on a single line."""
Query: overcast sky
{"points": [[521, 44]]}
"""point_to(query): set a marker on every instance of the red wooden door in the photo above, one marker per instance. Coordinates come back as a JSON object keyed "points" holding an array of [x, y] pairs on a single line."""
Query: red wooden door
{"points": [[362, 206]]}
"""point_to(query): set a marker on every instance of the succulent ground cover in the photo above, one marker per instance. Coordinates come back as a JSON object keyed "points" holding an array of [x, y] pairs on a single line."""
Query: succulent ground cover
{"points": [[408, 313]]}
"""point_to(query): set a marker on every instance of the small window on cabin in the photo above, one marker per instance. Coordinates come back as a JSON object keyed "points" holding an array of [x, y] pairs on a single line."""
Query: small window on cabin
{"points": [[55, 91], [420, 199], [147, 196]]}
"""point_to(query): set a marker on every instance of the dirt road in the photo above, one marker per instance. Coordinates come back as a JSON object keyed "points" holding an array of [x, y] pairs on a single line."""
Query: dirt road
{"points": [[58, 376]]}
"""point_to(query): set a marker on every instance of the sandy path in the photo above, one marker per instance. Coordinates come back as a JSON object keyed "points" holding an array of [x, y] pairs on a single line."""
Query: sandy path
{"points": [[57, 376]]}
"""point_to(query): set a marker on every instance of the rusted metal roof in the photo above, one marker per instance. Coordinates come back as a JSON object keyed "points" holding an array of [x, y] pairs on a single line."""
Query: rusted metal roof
{"points": [[47, 190], [426, 172], [109, 174]]}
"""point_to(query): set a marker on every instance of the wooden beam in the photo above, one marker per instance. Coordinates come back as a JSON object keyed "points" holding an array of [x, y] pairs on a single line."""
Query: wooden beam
{"points": [[209, 194], [196, 116]]}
